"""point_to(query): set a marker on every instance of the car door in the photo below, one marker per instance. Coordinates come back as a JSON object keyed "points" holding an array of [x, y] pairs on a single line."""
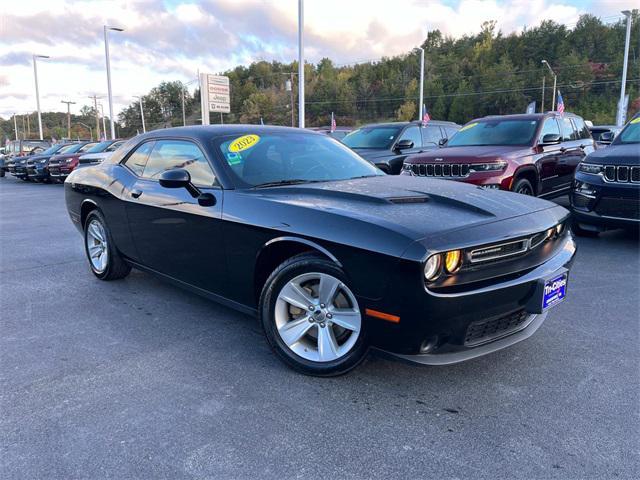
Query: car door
{"points": [[548, 156], [571, 153], [172, 232]]}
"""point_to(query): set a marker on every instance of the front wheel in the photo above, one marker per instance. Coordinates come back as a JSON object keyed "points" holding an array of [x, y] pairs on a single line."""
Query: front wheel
{"points": [[104, 259], [523, 187], [311, 318]]}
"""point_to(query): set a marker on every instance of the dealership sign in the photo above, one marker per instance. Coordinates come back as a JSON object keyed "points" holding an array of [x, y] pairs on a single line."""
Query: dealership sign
{"points": [[215, 95]]}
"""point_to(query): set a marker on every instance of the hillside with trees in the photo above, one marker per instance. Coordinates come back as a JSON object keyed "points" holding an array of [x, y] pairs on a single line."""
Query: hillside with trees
{"points": [[475, 75]]}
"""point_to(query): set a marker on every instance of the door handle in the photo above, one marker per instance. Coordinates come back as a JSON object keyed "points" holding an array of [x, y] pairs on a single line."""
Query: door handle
{"points": [[136, 193]]}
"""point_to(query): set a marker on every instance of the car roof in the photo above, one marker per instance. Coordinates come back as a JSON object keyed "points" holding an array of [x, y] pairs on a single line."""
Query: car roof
{"points": [[402, 124], [527, 116], [206, 132]]}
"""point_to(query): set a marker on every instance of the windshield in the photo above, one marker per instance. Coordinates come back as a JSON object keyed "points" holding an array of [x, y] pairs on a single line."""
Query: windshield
{"points": [[630, 134], [73, 148], [257, 159], [495, 132], [372, 137], [87, 147], [98, 147], [51, 150]]}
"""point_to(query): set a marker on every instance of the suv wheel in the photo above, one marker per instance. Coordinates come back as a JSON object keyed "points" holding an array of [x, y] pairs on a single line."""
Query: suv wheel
{"points": [[523, 187], [311, 318]]}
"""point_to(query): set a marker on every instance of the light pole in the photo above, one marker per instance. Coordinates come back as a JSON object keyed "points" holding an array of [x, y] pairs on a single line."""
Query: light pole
{"points": [[68, 116], [90, 129], [555, 81], [301, 63], [104, 127], [420, 112], [621, 107], [144, 130], [35, 74], [15, 124], [106, 53]]}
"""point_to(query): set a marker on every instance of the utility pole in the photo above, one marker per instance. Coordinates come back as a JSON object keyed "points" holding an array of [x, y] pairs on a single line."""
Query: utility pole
{"points": [[421, 102], [104, 125], [35, 75], [184, 116], [144, 130], [621, 104], [301, 63], [95, 106], [68, 116], [542, 102], [555, 82], [24, 128], [15, 125], [28, 125]]}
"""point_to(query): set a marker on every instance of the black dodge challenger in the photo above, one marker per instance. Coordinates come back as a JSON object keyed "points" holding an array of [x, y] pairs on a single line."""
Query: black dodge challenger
{"points": [[332, 255]]}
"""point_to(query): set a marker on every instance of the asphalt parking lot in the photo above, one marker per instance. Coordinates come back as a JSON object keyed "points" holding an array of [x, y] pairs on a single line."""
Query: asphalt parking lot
{"points": [[137, 378]]}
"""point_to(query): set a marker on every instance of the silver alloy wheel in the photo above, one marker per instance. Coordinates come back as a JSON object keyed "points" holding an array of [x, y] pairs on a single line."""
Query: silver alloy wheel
{"points": [[97, 245], [317, 317]]}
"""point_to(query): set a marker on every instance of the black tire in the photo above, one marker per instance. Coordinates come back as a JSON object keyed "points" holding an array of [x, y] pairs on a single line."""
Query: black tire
{"points": [[582, 232], [523, 187], [117, 267], [291, 268]]}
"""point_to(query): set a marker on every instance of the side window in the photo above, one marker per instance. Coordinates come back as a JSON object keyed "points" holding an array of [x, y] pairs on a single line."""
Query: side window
{"points": [[172, 154], [138, 159], [431, 135], [583, 131], [412, 133], [550, 126], [568, 133]]}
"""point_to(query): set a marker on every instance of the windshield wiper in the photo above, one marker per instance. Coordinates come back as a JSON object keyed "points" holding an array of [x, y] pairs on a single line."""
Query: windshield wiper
{"points": [[278, 183]]}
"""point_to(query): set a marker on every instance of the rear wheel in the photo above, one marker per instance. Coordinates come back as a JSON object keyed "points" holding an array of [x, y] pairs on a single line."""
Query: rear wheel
{"points": [[105, 261], [311, 318], [523, 187]]}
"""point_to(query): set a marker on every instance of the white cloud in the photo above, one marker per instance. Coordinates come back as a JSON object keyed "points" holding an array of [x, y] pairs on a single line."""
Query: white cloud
{"points": [[172, 40]]}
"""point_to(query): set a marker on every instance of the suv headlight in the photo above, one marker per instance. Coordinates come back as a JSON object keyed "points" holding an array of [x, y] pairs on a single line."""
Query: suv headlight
{"points": [[432, 267], [590, 168], [487, 167]]}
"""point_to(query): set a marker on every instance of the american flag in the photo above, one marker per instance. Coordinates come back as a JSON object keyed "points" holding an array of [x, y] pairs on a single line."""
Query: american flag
{"points": [[560, 103], [333, 123], [425, 114]]}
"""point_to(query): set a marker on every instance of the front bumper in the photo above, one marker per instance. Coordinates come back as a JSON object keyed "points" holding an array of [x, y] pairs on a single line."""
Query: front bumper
{"points": [[59, 171], [604, 205], [37, 172], [444, 328]]}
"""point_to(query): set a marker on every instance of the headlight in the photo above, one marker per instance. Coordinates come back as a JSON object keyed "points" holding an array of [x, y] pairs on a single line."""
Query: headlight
{"points": [[432, 267], [69, 160], [452, 261], [487, 167], [590, 168]]}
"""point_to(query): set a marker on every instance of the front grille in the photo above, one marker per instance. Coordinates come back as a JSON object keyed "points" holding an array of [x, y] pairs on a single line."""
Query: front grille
{"points": [[486, 330], [622, 174], [619, 207], [440, 170], [493, 252]]}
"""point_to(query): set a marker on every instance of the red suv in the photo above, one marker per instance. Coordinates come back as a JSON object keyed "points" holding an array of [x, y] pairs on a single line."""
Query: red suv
{"points": [[532, 154]]}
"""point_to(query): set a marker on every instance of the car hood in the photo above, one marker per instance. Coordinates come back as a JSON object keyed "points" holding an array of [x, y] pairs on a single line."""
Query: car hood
{"points": [[64, 156], [472, 154], [622, 154], [412, 207]]}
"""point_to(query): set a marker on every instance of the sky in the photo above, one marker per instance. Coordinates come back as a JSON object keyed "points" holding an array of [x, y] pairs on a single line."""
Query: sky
{"points": [[174, 39]]}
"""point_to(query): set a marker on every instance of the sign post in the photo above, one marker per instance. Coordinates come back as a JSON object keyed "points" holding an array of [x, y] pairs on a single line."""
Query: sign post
{"points": [[214, 95]]}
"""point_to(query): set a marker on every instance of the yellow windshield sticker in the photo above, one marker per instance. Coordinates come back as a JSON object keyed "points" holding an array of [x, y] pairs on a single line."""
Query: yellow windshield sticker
{"points": [[243, 143], [467, 127], [635, 120]]}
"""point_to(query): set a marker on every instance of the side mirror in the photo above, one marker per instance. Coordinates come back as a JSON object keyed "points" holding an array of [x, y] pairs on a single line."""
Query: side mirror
{"points": [[606, 137], [443, 142], [179, 178], [405, 144], [551, 139]]}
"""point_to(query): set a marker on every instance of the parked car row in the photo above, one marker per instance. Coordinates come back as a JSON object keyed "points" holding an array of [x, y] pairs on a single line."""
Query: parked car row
{"points": [[57, 161]]}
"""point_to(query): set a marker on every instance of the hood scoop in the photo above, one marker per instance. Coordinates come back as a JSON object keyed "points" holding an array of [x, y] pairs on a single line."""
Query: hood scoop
{"points": [[409, 199]]}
